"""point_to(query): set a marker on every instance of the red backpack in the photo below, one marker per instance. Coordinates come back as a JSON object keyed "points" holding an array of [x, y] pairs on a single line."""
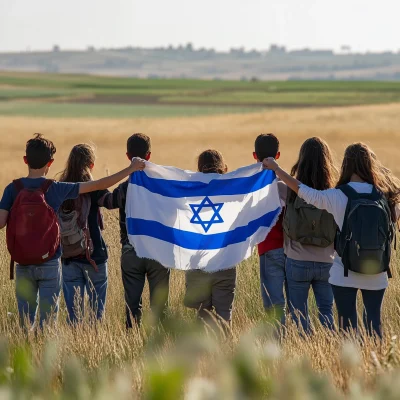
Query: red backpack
{"points": [[33, 233]]}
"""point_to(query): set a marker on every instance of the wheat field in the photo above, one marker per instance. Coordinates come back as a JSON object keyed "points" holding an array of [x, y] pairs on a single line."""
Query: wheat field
{"points": [[251, 348]]}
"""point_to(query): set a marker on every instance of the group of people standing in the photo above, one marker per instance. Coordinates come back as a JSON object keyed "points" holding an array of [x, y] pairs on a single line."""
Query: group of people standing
{"points": [[323, 239]]}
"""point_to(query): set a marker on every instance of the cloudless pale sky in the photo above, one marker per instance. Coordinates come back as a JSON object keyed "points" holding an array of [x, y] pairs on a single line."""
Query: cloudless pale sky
{"points": [[222, 24]]}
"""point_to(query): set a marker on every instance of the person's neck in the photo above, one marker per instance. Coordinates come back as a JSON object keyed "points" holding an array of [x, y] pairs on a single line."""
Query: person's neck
{"points": [[37, 173], [356, 178]]}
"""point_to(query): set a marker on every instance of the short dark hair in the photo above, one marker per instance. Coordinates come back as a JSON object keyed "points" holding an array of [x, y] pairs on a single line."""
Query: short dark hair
{"points": [[266, 145], [39, 151], [138, 145]]}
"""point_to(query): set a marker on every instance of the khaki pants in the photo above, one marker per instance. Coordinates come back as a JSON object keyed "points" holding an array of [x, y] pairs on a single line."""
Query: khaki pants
{"points": [[211, 291]]}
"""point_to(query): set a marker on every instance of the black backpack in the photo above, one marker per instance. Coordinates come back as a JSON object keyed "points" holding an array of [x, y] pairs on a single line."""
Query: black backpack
{"points": [[364, 243]]}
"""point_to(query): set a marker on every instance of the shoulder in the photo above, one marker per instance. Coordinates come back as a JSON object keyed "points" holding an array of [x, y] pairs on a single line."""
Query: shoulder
{"points": [[123, 188], [98, 194], [67, 190], [10, 187], [10, 190], [8, 197], [124, 185]]}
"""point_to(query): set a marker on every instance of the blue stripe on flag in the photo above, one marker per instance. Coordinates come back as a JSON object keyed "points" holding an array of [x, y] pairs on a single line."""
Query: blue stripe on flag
{"points": [[216, 187], [198, 241]]}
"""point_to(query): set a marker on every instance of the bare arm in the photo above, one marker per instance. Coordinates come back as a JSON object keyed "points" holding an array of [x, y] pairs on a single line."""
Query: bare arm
{"points": [[292, 183], [104, 183], [3, 218]]}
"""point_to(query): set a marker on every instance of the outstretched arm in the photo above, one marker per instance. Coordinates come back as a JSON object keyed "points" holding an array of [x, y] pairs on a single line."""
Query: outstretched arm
{"points": [[104, 183], [332, 200], [292, 183]]}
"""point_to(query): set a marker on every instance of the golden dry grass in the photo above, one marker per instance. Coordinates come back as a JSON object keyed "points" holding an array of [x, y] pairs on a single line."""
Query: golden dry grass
{"points": [[177, 142]]}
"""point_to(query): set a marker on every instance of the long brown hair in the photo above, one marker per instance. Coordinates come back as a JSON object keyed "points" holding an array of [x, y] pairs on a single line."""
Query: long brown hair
{"points": [[211, 161], [315, 167], [78, 167], [360, 160]]}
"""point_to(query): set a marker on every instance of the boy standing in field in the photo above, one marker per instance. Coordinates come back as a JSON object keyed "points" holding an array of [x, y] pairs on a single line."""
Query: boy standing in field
{"points": [[135, 269], [28, 208], [272, 257]]}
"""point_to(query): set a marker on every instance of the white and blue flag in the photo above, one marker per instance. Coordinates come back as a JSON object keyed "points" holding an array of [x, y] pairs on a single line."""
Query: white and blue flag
{"points": [[191, 220]]}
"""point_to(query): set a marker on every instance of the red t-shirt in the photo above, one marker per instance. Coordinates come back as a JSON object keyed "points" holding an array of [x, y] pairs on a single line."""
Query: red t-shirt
{"points": [[274, 239]]}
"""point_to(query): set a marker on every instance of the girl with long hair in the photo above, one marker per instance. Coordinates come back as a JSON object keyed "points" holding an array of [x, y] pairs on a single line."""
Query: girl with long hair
{"points": [[309, 235], [211, 292], [85, 269], [365, 182]]}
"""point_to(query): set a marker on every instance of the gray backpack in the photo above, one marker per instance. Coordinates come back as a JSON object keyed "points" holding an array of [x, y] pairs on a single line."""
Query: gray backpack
{"points": [[307, 224], [75, 235]]}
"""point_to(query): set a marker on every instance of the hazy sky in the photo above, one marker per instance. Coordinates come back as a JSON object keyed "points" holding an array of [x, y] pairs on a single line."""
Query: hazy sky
{"points": [[222, 24]]}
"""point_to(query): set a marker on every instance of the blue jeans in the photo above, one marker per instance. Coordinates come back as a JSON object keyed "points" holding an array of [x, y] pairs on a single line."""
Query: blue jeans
{"points": [[346, 304], [273, 281], [38, 288], [301, 275], [77, 277]]}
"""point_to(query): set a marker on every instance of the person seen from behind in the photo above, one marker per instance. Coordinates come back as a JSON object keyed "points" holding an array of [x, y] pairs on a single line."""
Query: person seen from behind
{"points": [[28, 208], [135, 269], [271, 254], [84, 257], [215, 291], [365, 205], [309, 237]]}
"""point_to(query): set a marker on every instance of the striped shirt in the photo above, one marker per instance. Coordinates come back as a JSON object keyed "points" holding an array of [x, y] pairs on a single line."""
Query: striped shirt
{"points": [[114, 200]]}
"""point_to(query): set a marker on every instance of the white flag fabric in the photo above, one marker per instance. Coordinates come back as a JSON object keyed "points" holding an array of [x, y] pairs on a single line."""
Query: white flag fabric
{"points": [[191, 220]]}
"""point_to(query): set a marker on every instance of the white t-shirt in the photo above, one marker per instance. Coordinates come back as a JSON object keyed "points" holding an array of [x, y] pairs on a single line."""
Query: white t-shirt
{"points": [[335, 202]]}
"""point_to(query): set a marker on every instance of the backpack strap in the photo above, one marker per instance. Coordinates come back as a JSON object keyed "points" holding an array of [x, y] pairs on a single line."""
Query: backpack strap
{"points": [[46, 185], [85, 205], [18, 185], [350, 193], [12, 270]]}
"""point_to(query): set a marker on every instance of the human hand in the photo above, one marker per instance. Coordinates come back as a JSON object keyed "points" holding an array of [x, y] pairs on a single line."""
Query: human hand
{"points": [[270, 163], [137, 164]]}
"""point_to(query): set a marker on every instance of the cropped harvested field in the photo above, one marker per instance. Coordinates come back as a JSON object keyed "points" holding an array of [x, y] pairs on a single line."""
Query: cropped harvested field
{"points": [[158, 363]]}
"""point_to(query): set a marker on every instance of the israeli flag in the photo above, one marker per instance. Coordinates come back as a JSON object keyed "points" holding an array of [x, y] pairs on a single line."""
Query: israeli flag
{"points": [[191, 220]]}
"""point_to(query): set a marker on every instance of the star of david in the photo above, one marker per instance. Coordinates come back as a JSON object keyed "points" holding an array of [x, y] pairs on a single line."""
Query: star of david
{"points": [[216, 217]]}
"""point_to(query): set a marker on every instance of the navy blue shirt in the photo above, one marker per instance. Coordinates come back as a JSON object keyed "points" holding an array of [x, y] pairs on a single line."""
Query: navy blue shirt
{"points": [[56, 195]]}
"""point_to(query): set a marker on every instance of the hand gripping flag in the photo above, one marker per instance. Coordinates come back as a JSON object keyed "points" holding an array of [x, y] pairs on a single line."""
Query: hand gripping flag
{"points": [[190, 220]]}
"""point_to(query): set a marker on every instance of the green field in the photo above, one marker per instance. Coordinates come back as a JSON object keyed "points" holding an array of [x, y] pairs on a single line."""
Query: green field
{"points": [[90, 96], [76, 110]]}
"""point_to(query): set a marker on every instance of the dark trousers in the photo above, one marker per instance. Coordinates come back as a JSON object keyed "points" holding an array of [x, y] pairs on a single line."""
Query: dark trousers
{"points": [[346, 303], [134, 272]]}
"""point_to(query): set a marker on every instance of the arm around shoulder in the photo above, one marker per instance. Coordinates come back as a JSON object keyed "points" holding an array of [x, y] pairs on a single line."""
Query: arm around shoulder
{"points": [[271, 164], [104, 183]]}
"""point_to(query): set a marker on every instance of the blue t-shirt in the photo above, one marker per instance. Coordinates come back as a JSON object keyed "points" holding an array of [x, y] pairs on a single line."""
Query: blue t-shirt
{"points": [[56, 195]]}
